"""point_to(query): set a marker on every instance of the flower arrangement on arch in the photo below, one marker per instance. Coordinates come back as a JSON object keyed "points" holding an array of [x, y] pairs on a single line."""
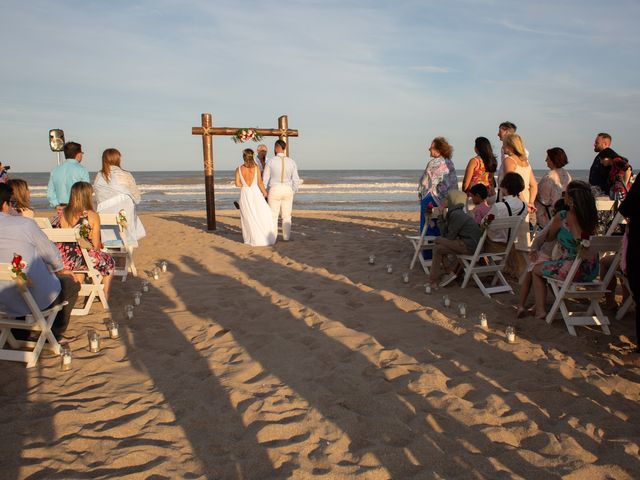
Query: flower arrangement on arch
{"points": [[246, 134], [486, 221], [122, 219], [17, 268]]}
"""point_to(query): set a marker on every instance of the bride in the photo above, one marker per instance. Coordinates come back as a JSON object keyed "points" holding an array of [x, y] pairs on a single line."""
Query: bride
{"points": [[255, 215]]}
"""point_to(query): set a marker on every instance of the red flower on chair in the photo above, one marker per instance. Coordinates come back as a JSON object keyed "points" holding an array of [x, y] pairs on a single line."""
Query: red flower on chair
{"points": [[18, 266]]}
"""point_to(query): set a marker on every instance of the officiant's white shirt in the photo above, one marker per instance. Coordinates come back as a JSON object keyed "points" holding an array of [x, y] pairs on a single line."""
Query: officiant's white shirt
{"points": [[273, 173]]}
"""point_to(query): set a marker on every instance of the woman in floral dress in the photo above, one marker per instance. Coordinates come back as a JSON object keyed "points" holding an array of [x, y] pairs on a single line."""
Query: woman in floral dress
{"points": [[79, 214], [569, 228]]}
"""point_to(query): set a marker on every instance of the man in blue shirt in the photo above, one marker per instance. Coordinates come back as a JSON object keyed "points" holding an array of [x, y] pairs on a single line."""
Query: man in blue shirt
{"points": [[66, 174], [51, 284]]}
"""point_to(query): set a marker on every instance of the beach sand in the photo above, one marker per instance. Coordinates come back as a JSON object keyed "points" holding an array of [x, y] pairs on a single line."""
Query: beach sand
{"points": [[304, 361]]}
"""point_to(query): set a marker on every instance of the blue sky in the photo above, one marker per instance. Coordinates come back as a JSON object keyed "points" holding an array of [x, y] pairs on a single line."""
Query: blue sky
{"points": [[367, 83]]}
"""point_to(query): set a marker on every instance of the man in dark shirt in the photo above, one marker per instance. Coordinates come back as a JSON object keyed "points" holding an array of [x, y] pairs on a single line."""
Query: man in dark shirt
{"points": [[599, 174]]}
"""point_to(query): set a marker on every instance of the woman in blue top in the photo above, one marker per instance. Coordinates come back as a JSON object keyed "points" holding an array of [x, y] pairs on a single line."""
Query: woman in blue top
{"points": [[568, 228]]}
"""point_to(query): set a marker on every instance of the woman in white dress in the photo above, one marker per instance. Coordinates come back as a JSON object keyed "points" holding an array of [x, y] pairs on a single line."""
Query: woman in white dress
{"points": [[258, 229]]}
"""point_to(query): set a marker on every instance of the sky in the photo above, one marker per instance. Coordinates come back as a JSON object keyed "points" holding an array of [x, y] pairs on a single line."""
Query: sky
{"points": [[367, 84]]}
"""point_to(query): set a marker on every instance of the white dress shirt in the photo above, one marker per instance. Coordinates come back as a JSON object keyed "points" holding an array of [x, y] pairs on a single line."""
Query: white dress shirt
{"points": [[273, 174], [500, 210]]}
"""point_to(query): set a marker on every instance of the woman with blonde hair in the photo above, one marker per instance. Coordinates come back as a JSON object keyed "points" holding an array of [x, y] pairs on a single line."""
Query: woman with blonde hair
{"points": [[116, 190], [258, 229], [20, 198], [79, 213]]}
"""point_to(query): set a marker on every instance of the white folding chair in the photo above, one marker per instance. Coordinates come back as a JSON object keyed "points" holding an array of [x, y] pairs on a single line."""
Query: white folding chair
{"points": [[617, 220], [37, 321], [119, 247], [568, 289], [495, 262], [421, 243], [42, 222], [628, 303], [93, 285]]}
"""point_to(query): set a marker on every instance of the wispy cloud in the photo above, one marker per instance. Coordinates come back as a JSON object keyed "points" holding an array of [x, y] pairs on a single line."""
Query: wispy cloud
{"points": [[431, 69]]}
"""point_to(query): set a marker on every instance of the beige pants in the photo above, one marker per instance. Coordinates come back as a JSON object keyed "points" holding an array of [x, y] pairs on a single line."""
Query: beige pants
{"points": [[281, 202]]}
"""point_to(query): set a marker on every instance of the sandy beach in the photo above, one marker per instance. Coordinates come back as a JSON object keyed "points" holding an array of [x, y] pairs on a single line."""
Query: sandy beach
{"points": [[304, 361]]}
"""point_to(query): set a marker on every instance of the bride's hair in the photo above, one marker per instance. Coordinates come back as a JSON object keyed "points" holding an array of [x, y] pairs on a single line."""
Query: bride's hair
{"points": [[247, 156]]}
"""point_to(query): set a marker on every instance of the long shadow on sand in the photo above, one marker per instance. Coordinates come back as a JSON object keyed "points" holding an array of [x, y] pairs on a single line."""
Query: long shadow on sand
{"points": [[199, 402], [345, 387], [530, 388]]}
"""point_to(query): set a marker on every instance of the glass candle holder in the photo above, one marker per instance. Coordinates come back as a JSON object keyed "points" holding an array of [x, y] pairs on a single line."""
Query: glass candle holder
{"points": [[482, 318], [65, 359], [136, 298], [446, 301], [145, 286], [128, 311], [163, 266], [389, 268], [94, 341], [372, 259], [156, 273], [510, 333], [427, 289], [405, 278], [462, 310], [113, 328]]}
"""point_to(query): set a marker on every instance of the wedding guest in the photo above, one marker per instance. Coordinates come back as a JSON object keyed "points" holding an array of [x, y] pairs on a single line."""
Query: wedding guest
{"points": [[479, 198], [551, 185], [79, 210], [438, 178], [4, 175], [481, 168], [112, 180], [598, 173], [50, 283], [66, 174], [510, 188], [541, 251], [116, 190], [630, 209], [261, 156], [459, 235], [619, 179], [568, 228], [282, 182], [21, 198]]}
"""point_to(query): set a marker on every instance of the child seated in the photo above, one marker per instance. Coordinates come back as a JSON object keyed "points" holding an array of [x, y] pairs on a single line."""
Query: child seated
{"points": [[479, 194]]}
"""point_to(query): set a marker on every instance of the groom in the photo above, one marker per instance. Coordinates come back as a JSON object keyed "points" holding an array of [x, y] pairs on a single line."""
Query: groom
{"points": [[281, 181]]}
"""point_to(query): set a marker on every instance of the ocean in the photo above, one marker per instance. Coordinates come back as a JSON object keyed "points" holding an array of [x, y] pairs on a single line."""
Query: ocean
{"points": [[372, 190]]}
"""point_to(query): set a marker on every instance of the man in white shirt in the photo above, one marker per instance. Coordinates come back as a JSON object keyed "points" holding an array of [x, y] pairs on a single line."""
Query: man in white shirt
{"points": [[51, 284], [282, 182]]}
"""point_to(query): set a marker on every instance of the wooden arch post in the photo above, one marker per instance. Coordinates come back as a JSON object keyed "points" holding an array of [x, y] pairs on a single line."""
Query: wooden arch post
{"points": [[207, 131]]}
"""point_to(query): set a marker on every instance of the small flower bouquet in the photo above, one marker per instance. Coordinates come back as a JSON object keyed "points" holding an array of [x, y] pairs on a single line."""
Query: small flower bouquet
{"points": [[122, 219], [486, 221], [246, 134], [84, 232], [17, 269], [583, 246]]}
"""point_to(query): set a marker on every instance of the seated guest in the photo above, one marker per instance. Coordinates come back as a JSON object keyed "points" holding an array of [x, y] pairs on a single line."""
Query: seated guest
{"points": [[116, 190], [21, 198], [66, 174], [50, 283], [459, 235], [80, 211], [510, 187], [619, 178], [479, 194], [568, 228], [541, 250], [552, 185]]}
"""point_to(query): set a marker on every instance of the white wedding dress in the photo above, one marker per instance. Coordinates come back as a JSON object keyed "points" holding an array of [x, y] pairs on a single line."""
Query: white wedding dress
{"points": [[258, 229]]}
